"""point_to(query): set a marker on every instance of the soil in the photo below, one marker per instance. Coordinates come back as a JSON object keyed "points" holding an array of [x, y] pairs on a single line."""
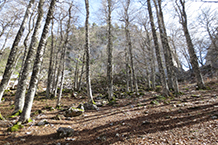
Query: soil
{"points": [[191, 118]]}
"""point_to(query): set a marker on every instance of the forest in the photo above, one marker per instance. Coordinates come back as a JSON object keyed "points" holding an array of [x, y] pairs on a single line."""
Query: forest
{"points": [[108, 72]]}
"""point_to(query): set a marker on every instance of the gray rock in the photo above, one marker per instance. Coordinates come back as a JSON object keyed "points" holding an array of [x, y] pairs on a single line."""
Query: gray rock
{"points": [[65, 132], [89, 106], [73, 112]]}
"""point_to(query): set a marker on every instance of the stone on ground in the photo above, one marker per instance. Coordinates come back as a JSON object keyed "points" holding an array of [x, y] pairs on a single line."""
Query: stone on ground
{"points": [[65, 132], [73, 112]]}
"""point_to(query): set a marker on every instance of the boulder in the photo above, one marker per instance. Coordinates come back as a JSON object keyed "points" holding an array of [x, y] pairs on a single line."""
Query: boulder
{"points": [[65, 132], [73, 112]]}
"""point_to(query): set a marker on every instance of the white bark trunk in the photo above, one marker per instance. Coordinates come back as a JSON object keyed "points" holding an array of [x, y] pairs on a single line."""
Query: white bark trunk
{"points": [[22, 83], [11, 63], [25, 116], [88, 81]]}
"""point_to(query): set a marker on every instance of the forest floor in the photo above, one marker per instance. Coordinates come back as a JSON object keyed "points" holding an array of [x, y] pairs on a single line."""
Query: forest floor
{"points": [[191, 118]]}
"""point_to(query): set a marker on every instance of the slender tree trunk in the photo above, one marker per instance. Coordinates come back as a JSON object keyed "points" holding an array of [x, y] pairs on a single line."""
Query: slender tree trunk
{"points": [[109, 51], [62, 76], [25, 43], [169, 51], [160, 64], [87, 48], [63, 55], [81, 74], [49, 81], [26, 48], [153, 73], [22, 83], [151, 57], [57, 80], [129, 44], [14, 52], [172, 79], [25, 116], [76, 76], [193, 57], [56, 73], [128, 79], [164, 45]]}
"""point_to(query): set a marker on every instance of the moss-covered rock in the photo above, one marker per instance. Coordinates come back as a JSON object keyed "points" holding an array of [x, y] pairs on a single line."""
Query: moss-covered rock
{"points": [[73, 112]]}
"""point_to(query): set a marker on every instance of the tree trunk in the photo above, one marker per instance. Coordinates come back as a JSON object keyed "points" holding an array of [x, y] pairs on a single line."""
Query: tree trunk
{"points": [[22, 83], [14, 52], [51, 64], [151, 57], [25, 116], [63, 55], [76, 76], [88, 81], [81, 74], [129, 44], [157, 49], [128, 79], [62, 75], [172, 79], [109, 51], [192, 54]]}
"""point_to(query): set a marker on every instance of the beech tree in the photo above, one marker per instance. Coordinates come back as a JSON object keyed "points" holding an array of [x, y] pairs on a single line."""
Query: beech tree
{"points": [[180, 8], [51, 63], [157, 50], [109, 51], [13, 56], [126, 19], [172, 78], [63, 55], [87, 48], [25, 116], [22, 83]]}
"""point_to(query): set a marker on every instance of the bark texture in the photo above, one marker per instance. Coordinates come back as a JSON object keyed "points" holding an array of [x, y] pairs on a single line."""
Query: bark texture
{"points": [[87, 48], [51, 64], [129, 45], [22, 83], [172, 79], [25, 116], [157, 50], [109, 51], [13, 56], [192, 54], [63, 55]]}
